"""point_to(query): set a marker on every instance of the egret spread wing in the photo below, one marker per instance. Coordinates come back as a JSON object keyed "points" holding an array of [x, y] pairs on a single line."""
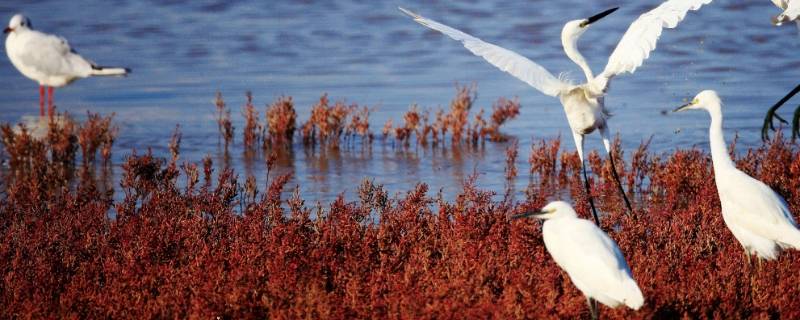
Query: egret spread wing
{"points": [[506, 60], [642, 35]]}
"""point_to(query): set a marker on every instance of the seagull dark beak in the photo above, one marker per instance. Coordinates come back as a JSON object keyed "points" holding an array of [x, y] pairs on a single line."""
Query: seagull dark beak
{"points": [[600, 15], [527, 214], [683, 107], [7, 30]]}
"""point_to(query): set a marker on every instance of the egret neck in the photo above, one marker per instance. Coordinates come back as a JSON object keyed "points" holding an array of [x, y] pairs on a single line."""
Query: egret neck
{"points": [[569, 39], [719, 150]]}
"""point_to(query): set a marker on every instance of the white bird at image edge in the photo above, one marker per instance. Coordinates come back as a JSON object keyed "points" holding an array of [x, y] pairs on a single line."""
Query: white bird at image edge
{"points": [[757, 216]]}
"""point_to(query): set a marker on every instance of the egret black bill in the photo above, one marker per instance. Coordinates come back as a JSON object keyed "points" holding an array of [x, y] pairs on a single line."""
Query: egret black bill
{"points": [[600, 15], [683, 107], [527, 214], [7, 30]]}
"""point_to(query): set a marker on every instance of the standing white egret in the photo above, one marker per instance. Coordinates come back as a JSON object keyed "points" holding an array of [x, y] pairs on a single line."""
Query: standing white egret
{"points": [[583, 104], [48, 59], [590, 257], [757, 216], [791, 11]]}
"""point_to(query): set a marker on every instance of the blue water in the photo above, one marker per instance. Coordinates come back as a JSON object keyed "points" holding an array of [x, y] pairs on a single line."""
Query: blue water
{"points": [[182, 52]]}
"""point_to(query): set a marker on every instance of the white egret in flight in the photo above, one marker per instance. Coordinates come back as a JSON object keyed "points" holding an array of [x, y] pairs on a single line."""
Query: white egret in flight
{"points": [[583, 103], [791, 11], [757, 216], [48, 59], [771, 115], [590, 257]]}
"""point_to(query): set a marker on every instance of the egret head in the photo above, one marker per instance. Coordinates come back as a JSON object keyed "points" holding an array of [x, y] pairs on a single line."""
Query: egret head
{"points": [[569, 39], [705, 100], [576, 28], [18, 22], [555, 209]]}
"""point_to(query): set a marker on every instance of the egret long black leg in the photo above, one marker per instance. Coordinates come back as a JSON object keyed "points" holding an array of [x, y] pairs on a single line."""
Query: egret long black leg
{"points": [[579, 144], [589, 194], [772, 115], [796, 124], [619, 183], [607, 144]]}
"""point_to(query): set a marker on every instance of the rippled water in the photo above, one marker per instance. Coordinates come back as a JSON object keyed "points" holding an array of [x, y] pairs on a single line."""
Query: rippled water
{"points": [[182, 52]]}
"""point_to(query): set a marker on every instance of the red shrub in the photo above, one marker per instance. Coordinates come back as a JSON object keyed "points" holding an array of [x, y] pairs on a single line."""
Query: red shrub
{"points": [[225, 249]]}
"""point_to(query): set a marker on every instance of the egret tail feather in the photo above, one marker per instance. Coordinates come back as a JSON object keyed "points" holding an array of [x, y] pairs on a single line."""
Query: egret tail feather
{"points": [[634, 298]]}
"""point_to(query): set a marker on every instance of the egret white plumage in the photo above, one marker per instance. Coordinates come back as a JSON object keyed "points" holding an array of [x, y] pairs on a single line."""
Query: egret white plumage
{"points": [[48, 59], [590, 257], [757, 216], [791, 11], [583, 103]]}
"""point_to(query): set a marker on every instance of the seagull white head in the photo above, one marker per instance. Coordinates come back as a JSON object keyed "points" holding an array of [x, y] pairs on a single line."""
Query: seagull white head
{"points": [[555, 209], [18, 22], [706, 100]]}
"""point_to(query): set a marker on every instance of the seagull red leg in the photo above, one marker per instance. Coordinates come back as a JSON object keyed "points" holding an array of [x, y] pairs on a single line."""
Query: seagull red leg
{"points": [[50, 94], [41, 101]]}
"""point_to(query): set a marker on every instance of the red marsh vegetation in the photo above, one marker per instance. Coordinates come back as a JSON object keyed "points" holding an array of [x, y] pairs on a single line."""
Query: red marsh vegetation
{"points": [[188, 241]]}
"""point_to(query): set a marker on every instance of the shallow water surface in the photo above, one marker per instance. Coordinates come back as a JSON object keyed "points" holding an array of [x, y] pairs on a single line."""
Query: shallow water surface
{"points": [[182, 52]]}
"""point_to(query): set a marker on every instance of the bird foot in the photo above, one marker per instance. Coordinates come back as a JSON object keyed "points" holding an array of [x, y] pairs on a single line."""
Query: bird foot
{"points": [[771, 115]]}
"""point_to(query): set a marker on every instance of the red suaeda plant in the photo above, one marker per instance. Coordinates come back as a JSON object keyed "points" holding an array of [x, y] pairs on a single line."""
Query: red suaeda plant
{"points": [[175, 143], [457, 117], [252, 129], [503, 110], [359, 123], [327, 123], [93, 134], [411, 125], [478, 129], [387, 129], [224, 123], [108, 144], [281, 122], [215, 246], [511, 167], [456, 121]]}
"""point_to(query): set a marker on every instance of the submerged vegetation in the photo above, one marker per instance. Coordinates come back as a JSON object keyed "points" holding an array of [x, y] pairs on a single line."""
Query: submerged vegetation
{"points": [[333, 123], [189, 240]]}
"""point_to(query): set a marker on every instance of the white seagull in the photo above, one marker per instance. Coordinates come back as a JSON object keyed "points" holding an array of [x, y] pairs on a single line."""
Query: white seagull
{"points": [[791, 11], [583, 103], [757, 216], [48, 59], [590, 257]]}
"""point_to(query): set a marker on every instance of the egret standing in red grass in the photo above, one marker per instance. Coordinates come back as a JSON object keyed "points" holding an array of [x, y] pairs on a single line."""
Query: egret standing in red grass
{"points": [[590, 257], [583, 103], [757, 216], [48, 59]]}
